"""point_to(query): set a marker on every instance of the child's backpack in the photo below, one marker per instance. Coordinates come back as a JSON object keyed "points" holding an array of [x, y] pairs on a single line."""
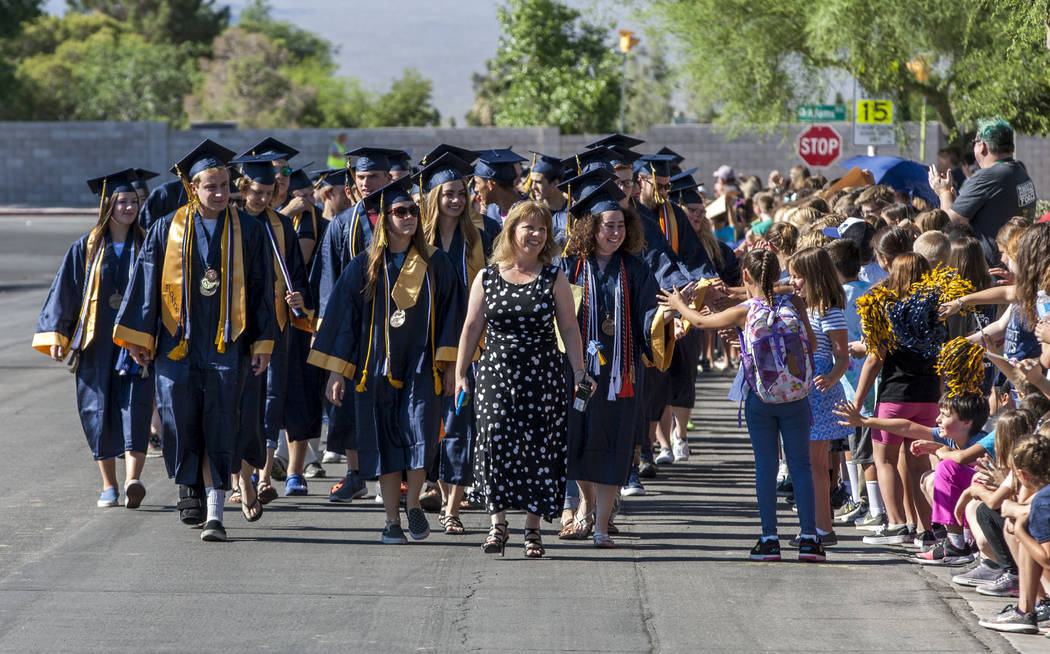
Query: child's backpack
{"points": [[774, 351]]}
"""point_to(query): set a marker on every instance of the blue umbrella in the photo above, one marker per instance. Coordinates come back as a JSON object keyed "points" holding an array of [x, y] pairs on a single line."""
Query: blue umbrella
{"points": [[904, 175]]}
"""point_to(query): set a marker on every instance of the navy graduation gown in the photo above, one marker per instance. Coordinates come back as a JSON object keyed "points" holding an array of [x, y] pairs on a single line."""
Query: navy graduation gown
{"points": [[162, 200], [115, 408], [302, 417], [456, 452], [199, 396], [602, 440], [397, 428], [348, 235], [264, 401]]}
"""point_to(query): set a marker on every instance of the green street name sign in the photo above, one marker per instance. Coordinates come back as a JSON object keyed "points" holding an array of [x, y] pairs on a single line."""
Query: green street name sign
{"points": [[820, 113]]}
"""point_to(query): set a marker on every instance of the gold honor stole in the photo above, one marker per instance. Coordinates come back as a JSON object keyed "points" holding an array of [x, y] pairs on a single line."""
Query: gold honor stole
{"points": [[668, 224], [85, 330], [175, 284]]}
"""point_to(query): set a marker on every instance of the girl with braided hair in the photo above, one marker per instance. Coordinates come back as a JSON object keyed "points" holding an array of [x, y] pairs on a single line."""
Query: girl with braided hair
{"points": [[768, 422]]}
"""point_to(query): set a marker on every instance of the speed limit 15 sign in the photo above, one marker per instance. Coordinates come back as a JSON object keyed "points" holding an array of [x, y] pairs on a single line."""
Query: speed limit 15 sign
{"points": [[874, 112]]}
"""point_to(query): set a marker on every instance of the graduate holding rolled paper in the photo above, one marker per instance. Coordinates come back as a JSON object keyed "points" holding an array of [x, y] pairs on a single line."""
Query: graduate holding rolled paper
{"points": [[620, 323], [264, 400], [389, 339], [449, 225], [114, 394], [200, 306]]}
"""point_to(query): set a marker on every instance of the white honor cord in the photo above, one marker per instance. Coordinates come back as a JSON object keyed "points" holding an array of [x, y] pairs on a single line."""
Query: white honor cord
{"points": [[616, 380], [592, 318], [386, 320]]}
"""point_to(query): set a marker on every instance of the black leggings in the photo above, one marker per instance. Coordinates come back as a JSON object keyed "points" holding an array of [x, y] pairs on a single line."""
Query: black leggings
{"points": [[991, 523]]}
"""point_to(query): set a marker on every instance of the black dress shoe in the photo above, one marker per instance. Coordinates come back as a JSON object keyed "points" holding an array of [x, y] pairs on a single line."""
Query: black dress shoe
{"points": [[213, 532]]}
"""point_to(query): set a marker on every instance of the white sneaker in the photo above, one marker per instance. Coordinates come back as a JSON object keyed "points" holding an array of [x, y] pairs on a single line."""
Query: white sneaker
{"points": [[681, 449], [333, 457], [665, 457]]}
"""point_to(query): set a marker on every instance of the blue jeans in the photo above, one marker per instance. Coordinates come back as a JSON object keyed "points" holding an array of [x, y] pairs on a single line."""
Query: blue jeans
{"points": [[792, 421]]}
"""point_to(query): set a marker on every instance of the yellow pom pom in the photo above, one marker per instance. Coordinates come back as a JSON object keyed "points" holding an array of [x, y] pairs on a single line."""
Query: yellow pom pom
{"points": [[875, 323], [961, 364]]}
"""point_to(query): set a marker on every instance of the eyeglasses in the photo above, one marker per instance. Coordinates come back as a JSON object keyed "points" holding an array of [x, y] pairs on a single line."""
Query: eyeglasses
{"points": [[405, 212], [286, 171], [625, 183]]}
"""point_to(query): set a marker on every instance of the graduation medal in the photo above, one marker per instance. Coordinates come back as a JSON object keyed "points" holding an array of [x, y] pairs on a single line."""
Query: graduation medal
{"points": [[608, 326], [397, 318], [115, 300], [210, 282]]}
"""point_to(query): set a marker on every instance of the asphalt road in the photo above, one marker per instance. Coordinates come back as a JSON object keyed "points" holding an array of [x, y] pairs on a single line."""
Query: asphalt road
{"points": [[312, 576]]}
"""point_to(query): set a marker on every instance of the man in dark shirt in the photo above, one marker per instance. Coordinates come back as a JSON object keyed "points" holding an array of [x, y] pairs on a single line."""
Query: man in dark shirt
{"points": [[1000, 190]]}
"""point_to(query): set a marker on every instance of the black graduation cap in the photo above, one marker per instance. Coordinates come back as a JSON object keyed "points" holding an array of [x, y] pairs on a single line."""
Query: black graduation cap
{"points": [[498, 164], [605, 197], [548, 166], [683, 188], [446, 168], [658, 164], [583, 184], [373, 158], [400, 161], [259, 167], [329, 177], [470, 156], [399, 190], [141, 177], [270, 145], [118, 182], [207, 154], [299, 180], [676, 163], [620, 140], [582, 162]]}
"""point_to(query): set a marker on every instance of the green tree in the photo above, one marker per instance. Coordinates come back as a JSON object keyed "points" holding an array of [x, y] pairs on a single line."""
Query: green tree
{"points": [[649, 86], [550, 68], [408, 103], [244, 82], [13, 13], [88, 67], [756, 61], [301, 44], [164, 21]]}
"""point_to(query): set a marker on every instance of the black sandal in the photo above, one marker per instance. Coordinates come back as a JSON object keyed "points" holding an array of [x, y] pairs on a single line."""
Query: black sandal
{"points": [[248, 508], [497, 539], [533, 544], [452, 524]]}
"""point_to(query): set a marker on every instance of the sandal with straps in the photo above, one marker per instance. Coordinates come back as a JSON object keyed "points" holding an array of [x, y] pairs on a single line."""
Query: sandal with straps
{"points": [[452, 524], [533, 544], [583, 526], [497, 539]]}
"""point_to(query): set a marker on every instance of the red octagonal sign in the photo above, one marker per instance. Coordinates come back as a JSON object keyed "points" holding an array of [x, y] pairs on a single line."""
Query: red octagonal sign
{"points": [[819, 145]]}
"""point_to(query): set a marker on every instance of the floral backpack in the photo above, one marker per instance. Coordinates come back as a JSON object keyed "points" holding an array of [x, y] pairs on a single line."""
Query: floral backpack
{"points": [[774, 351]]}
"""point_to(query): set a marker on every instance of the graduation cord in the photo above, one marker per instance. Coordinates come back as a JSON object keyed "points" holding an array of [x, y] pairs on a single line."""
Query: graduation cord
{"points": [[386, 328]]}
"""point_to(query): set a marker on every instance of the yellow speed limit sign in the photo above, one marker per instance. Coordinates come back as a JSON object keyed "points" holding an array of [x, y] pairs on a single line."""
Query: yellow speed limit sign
{"points": [[874, 112]]}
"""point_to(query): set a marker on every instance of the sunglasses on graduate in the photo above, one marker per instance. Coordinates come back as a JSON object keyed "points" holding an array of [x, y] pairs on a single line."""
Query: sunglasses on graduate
{"points": [[405, 212], [285, 170]]}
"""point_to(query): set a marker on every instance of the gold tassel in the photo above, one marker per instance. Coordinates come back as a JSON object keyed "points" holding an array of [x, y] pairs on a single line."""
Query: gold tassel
{"points": [[179, 351]]}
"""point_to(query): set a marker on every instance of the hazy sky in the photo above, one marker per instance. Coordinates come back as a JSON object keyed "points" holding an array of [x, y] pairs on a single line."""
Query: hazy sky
{"points": [[446, 40]]}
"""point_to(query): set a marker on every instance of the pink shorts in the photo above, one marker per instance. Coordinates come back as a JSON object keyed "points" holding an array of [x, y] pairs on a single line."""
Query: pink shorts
{"points": [[924, 413]]}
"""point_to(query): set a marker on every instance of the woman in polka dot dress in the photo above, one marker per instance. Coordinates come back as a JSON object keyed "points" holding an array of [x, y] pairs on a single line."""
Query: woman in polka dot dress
{"points": [[522, 393]]}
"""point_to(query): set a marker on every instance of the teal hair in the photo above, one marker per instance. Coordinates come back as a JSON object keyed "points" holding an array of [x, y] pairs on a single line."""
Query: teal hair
{"points": [[997, 133]]}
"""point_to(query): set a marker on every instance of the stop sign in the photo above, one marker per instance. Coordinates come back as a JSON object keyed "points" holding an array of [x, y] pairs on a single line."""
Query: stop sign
{"points": [[819, 145]]}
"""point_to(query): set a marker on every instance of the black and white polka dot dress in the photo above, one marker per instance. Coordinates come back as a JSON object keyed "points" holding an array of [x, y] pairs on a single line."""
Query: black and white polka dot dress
{"points": [[522, 399]]}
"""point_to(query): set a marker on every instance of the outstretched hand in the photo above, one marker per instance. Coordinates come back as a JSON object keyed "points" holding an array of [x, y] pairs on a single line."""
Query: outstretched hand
{"points": [[673, 299], [850, 414]]}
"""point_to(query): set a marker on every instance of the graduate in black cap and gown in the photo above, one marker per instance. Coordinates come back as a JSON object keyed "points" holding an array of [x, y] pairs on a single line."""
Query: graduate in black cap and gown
{"points": [[448, 225], [114, 394], [141, 187], [621, 323], [263, 401], [389, 340], [200, 305], [488, 225], [348, 235], [545, 174], [494, 178]]}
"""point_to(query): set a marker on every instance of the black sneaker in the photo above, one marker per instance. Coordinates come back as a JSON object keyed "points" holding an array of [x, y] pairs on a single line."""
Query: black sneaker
{"points": [[213, 532], [827, 540], [647, 470], [1012, 620], [944, 553], [888, 536], [765, 550], [839, 496], [810, 549], [393, 535], [418, 525], [924, 540]]}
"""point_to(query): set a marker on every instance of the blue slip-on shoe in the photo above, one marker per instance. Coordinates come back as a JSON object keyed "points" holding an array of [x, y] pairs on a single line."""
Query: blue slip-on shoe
{"points": [[108, 498], [295, 485]]}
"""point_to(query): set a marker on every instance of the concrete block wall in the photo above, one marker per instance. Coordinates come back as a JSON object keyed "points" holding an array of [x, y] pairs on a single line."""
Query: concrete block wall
{"points": [[45, 164]]}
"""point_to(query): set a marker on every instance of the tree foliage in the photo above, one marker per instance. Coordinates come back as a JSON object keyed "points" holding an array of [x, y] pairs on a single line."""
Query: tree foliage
{"points": [[302, 45], [163, 21], [649, 85], [756, 61], [407, 103], [550, 68]]}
